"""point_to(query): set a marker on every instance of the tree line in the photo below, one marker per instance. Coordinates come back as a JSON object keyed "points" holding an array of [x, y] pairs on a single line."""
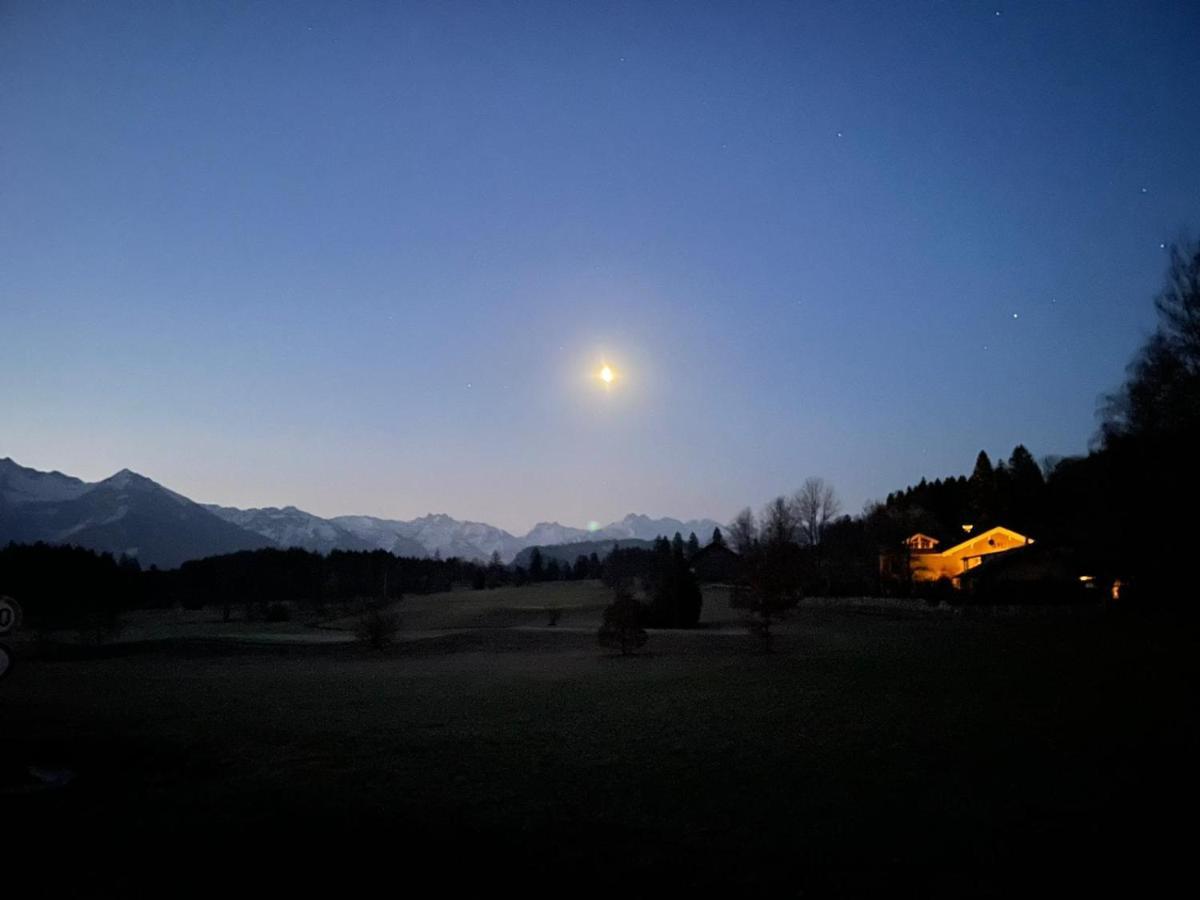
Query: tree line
{"points": [[72, 587]]}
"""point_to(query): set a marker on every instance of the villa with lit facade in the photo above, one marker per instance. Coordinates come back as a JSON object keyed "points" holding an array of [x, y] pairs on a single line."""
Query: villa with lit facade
{"points": [[926, 563]]}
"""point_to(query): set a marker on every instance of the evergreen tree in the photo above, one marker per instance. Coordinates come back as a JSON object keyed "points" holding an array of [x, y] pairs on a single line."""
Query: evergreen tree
{"points": [[1027, 492], [676, 597], [693, 545], [983, 492], [1023, 468], [496, 573], [983, 468]]}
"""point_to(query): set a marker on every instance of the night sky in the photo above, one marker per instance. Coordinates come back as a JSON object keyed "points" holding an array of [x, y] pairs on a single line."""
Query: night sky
{"points": [[369, 257]]}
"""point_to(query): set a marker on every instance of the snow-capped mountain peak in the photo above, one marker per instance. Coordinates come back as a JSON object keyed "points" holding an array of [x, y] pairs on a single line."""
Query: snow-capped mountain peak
{"points": [[128, 510], [544, 533]]}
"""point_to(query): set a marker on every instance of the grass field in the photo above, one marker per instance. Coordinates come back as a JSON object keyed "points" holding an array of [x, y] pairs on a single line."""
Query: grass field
{"points": [[879, 750]]}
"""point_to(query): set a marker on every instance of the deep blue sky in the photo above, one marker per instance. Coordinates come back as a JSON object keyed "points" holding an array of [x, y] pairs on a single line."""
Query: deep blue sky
{"points": [[364, 257]]}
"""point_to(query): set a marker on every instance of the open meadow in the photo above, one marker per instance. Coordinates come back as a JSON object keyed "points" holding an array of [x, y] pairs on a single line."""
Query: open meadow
{"points": [[879, 749]]}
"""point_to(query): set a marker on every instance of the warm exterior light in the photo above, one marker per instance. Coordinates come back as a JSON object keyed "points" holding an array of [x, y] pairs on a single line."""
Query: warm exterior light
{"points": [[928, 564]]}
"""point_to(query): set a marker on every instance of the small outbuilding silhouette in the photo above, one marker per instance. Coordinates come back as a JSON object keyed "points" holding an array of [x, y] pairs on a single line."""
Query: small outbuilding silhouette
{"points": [[716, 564]]}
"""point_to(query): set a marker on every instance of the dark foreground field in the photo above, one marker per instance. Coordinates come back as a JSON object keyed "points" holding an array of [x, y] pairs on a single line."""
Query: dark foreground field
{"points": [[893, 753]]}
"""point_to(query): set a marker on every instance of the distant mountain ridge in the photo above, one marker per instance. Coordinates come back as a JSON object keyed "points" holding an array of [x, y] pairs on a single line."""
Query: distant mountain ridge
{"points": [[131, 514], [428, 535], [553, 533], [644, 528], [125, 513], [291, 527]]}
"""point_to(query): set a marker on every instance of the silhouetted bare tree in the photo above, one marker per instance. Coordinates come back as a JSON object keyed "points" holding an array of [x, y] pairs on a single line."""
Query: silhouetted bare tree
{"points": [[771, 575], [1160, 400], [743, 531], [780, 522], [816, 504]]}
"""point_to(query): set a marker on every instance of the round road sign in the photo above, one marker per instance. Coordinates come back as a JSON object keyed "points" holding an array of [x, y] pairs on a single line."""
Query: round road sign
{"points": [[10, 615]]}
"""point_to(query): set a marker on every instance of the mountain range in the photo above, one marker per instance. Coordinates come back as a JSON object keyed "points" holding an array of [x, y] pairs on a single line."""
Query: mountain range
{"points": [[131, 514]]}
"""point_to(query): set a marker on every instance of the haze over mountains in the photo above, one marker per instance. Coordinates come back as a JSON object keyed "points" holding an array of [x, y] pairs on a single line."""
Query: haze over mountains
{"points": [[131, 514]]}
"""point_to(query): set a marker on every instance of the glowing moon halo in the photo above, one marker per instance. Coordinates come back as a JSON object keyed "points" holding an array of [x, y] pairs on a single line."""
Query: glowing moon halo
{"points": [[607, 375]]}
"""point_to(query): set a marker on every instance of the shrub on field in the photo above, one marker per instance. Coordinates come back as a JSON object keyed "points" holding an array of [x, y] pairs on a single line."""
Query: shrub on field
{"points": [[101, 626], [622, 629], [377, 626], [278, 612]]}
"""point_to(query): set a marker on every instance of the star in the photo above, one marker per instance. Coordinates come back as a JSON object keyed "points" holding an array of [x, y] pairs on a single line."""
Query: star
{"points": [[1015, 315], [839, 134]]}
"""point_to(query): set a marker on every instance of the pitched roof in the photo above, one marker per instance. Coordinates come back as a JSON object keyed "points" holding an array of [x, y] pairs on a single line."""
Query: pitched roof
{"points": [[1019, 539], [709, 549], [920, 535]]}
